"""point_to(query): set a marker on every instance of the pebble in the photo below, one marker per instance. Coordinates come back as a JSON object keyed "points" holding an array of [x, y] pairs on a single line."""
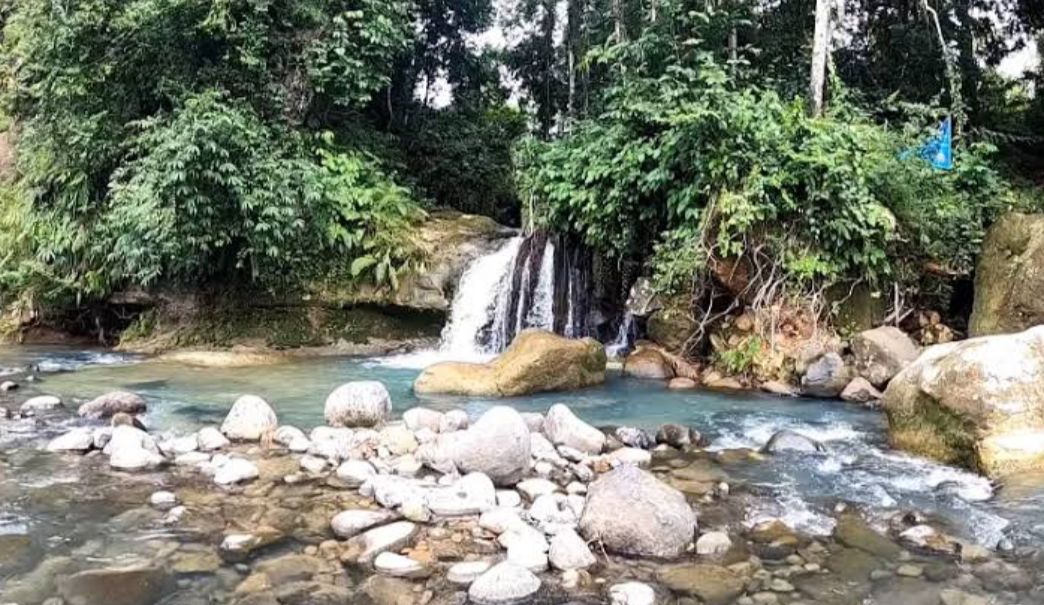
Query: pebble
{"points": [[910, 571], [504, 583], [780, 585], [713, 543], [163, 500], [398, 566], [508, 498]]}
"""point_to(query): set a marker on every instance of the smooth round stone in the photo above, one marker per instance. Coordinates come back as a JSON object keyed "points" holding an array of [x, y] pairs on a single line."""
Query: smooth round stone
{"points": [[530, 557], [632, 593], [235, 470], [76, 440], [398, 566], [313, 464], [40, 403], [503, 584], [507, 498], [163, 500], [353, 522], [355, 472], [713, 543], [467, 572], [210, 439]]}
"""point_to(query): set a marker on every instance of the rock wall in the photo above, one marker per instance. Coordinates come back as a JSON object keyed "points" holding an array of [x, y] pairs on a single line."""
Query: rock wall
{"points": [[1009, 279]]}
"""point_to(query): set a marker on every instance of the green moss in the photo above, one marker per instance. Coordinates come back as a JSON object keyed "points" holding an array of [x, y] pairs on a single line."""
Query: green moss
{"points": [[928, 429]]}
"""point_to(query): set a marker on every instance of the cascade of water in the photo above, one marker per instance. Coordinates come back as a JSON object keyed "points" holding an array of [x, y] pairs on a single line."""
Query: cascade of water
{"points": [[624, 338], [481, 288]]}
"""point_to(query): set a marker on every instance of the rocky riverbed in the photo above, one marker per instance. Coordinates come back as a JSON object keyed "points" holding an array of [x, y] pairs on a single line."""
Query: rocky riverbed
{"points": [[440, 507]]}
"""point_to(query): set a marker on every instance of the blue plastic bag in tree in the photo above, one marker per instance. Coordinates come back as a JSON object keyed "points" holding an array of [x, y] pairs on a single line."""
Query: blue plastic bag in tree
{"points": [[939, 150]]}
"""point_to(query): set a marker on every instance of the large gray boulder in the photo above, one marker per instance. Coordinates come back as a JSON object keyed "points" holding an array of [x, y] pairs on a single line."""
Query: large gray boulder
{"points": [[882, 353], [631, 512], [110, 404], [497, 445], [249, 419], [358, 404], [1009, 278], [978, 403], [826, 377]]}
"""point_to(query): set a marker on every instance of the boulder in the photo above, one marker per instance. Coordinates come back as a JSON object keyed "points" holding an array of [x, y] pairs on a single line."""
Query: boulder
{"points": [[210, 439], [358, 404], [249, 419], [503, 584], [79, 439], [860, 391], [789, 441], [882, 353], [826, 377], [1009, 278], [498, 446], [672, 325], [115, 586], [110, 404], [631, 512], [978, 403], [132, 449], [537, 361], [562, 427], [648, 363]]}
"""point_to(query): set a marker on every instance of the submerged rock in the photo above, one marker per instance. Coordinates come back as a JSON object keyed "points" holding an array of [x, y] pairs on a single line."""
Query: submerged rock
{"points": [[631, 512], [77, 440], [497, 446], [358, 404], [250, 418], [537, 361], [110, 404], [790, 441], [137, 585], [712, 584], [978, 403], [40, 403]]}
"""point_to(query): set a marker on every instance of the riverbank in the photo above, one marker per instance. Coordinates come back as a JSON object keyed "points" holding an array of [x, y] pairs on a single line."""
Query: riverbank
{"points": [[115, 524]]}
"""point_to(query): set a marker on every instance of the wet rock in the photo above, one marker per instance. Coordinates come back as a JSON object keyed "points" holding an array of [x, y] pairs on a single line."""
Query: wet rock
{"points": [[860, 391], [503, 584], [467, 572], [537, 361], [109, 404], [373, 542], [676, 435], [350, 523], [712, 584], [41, 403], [358, 404], [631, 593], [77, 440], [951, 596], [682, 384], [790, 441], [633, 437], [385, 590], [712, 544], [355, 472], [648, 363], [290, 568], [250, 418], [882, 353], [563, 427], [497, 446], [854, 532], [189, 563], [210, 439], [777, 387], [974, 403], [115, 586], [241, 546], [852, 565], [15, 552], [569, 551], [398, 566], [631, 512], [826, 377], [235, 470], [39, 584]]}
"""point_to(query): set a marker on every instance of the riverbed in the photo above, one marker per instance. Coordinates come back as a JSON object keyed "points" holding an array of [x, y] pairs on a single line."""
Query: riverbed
{"points": [[39, 491]]}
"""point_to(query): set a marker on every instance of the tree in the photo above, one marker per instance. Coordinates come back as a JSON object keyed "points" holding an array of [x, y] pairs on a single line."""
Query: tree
{"points": [[820, 57]]}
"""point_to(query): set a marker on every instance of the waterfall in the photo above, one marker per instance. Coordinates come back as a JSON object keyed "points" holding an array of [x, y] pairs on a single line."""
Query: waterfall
{"points": [[536, 281], [621, 344]]}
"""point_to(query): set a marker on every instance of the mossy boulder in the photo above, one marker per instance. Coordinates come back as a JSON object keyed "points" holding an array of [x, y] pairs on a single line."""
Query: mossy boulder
{"points": [[978, 403], [671, 326], [537, 361], [1009, 279]]}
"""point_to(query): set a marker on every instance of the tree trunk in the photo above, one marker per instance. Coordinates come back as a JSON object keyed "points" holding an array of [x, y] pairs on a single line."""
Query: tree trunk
{"points": [[618, 19], [820, 55]]}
